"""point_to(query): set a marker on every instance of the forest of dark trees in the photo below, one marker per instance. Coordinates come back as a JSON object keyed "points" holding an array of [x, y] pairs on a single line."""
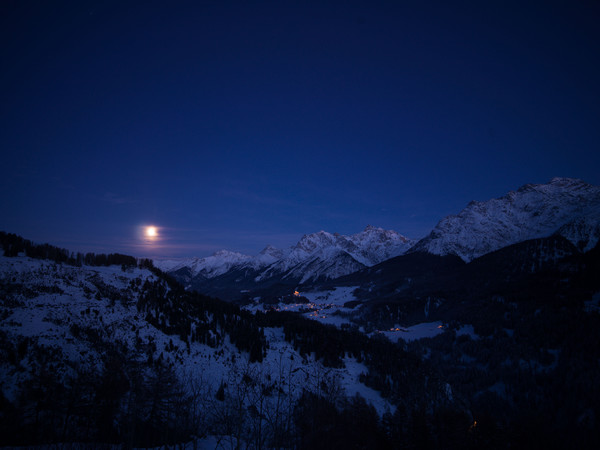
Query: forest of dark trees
{"points": [[13, 245]]}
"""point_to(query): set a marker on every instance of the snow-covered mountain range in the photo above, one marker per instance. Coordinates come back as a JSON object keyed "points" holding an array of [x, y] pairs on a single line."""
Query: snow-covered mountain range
{"points": [[566, 206], [209, 267], [317, 255], [326, 255]]}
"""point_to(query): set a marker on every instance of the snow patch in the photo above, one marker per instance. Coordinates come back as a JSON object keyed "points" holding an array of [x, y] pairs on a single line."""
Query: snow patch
{"points": [[415, 332]]}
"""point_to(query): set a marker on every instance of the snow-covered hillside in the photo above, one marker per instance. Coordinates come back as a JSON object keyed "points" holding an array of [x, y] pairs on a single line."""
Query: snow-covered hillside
{"points": [[566, 206], [81, 321]]}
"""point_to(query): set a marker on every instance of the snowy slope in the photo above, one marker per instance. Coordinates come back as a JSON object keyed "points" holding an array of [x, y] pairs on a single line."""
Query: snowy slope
{"points": [[583, 232], [71, 315], [568, 206]]}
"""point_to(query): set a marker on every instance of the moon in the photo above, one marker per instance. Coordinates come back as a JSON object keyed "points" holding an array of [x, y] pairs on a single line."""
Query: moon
{"points": [[151, 232]]}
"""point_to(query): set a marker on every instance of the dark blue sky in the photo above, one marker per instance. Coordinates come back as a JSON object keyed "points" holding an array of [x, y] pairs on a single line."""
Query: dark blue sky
{"points": [[238, 124]]}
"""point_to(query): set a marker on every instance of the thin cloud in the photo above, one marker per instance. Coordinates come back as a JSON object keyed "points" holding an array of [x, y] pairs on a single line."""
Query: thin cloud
{"points": [[116, 199]]}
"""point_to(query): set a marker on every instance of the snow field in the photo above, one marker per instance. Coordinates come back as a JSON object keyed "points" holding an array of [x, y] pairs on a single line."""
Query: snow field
{"points": [[418, 331]]}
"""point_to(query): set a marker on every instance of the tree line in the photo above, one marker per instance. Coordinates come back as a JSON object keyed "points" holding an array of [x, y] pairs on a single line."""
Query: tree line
{"points": [[13, 245]]}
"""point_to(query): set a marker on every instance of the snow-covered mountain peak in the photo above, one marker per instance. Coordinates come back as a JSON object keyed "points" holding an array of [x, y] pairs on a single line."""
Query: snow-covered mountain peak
{"points": [[227, 254], [217, 264], [556, 186], [310, 242], [268, 256], [272, 252], [330, 255], [377, 244], [171, 265], [269, 250], [532, 211], [567, 182], [379, 234]]}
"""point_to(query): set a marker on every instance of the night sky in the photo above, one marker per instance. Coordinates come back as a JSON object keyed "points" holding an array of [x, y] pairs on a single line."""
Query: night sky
{"points": [[236, 125]]}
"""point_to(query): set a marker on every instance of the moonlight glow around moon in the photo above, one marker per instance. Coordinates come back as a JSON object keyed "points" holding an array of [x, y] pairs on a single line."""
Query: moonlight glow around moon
{"points": [[151, 233], [149, 237]]}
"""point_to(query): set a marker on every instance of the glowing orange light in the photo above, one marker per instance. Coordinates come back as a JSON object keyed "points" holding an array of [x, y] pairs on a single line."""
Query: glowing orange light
{"points": [[440, 326], [296, 293]]}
